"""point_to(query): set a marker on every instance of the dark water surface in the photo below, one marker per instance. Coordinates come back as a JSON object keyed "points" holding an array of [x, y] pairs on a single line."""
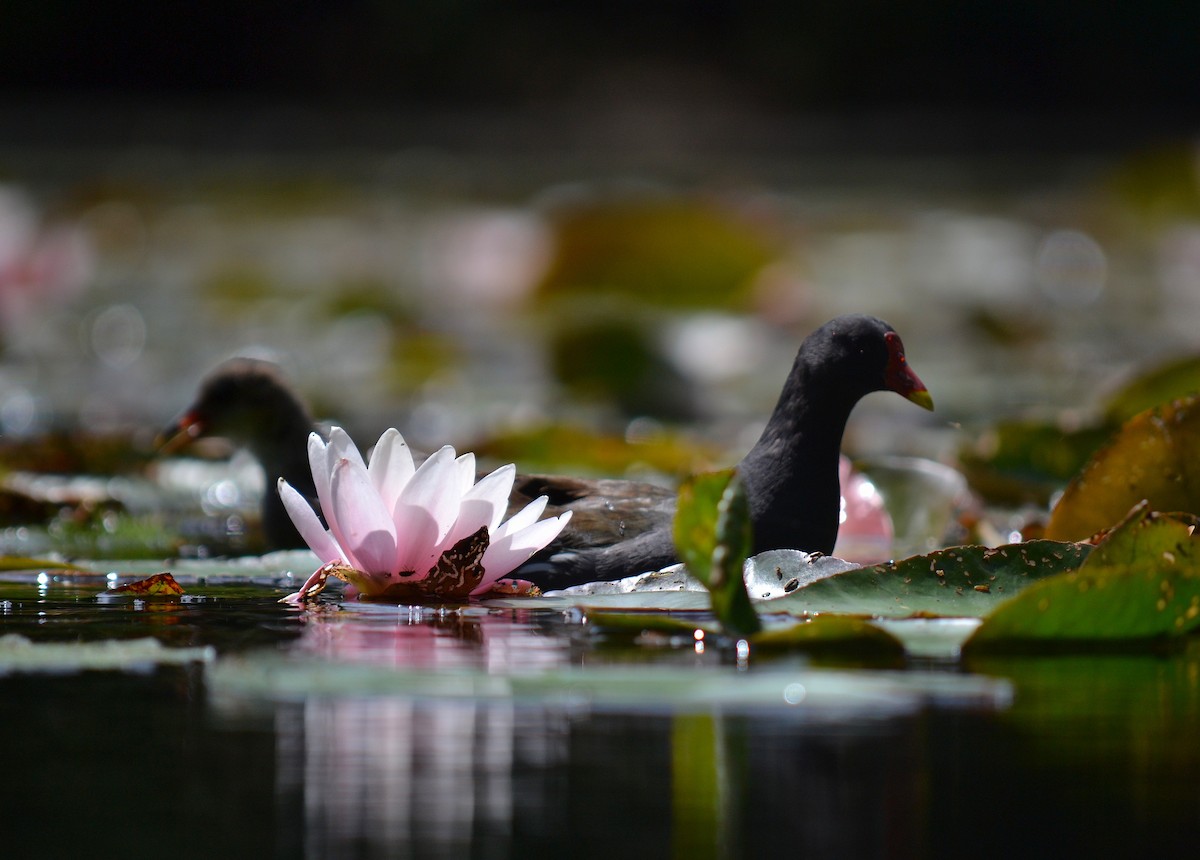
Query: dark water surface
{"points": [[382, 731]]}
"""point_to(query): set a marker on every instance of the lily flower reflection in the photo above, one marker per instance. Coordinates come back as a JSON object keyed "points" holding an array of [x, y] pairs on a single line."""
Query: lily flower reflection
{"points": [[400, 531]]}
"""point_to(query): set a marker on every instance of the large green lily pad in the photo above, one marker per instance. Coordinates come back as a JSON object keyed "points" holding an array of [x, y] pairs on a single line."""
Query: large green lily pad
{"points": [[966, 581], [1142, 582], [1152, 458]]}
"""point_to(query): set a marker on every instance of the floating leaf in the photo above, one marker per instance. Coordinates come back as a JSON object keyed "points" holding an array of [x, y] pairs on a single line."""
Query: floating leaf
{"points": [[269, 675], [956, 582], [839, 634], [1027, 461], [713, 535], [15, 562], [18, 654], [158, 585], [1178, 378], [1153, 457], [835, 633], [1141, 582]]}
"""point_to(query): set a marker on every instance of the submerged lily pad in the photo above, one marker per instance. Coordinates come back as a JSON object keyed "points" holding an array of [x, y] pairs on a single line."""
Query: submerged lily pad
{"points": [[965, 581], [1153, 457], [821, 693], [1142, 582], [19, 654]]}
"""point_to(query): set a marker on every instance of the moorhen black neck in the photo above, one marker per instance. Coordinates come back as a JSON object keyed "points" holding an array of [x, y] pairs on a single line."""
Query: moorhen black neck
{"points": [[250, 403], [791, 473]]}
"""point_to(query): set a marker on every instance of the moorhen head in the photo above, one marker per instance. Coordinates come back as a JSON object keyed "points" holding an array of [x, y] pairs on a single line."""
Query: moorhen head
{"points": [[791, 473], [249, 402]]}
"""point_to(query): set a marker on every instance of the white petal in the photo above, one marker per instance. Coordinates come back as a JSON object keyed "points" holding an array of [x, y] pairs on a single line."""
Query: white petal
{"points": [[483, 505], [308, 525], [523, 518], [434, 487], [495, 489], [391, 466], [466, 472], [366, 529], [507, 554], [341, 447], [318, 462]]}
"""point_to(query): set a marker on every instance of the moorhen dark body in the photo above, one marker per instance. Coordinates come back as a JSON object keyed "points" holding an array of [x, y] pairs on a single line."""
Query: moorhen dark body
{"points": [[791, 473]]}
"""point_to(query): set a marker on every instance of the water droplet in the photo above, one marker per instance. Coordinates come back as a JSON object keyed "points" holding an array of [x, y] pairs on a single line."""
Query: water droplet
{"points": [[794, 694]]}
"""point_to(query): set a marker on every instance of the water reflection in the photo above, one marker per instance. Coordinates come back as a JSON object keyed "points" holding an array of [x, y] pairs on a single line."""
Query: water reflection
{"points": [[399, 775], [374, 774]]}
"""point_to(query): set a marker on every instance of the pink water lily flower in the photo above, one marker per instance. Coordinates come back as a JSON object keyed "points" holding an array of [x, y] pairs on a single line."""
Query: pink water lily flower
{"points": [[866, 532], [402, 531]]}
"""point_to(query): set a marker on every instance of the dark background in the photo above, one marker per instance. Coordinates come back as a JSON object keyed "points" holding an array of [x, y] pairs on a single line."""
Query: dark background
{"points": [[1108, 70]]}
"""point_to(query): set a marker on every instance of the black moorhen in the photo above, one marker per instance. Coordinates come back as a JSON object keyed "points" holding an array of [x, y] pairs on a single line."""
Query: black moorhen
{"points": [[249, 402], [791, 473]]}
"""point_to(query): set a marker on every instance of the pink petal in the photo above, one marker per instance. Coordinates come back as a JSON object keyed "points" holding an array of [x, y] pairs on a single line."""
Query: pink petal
{"points": [[341, 447], [308, 524], [434, 487], [507, 554], [416, 540], [367, 531], [391, 466]]}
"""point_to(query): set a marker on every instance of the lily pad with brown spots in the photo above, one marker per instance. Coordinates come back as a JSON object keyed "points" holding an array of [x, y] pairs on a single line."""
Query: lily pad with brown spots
{"points": [[964, 581], [1141, 583], [1154, 457]]}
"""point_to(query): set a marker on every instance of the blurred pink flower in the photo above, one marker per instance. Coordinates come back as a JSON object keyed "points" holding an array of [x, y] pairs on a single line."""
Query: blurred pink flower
{"points": [[865, 534], [37, 265], [401, 531]]}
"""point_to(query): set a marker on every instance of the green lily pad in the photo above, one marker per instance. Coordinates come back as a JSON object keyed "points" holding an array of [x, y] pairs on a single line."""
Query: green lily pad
{"points": [[1178, 378], [1153, 457], [1027, 461], [1142, 582], [14, 562], [839, 634], [19, 654], [687, 689], [965, 581], [714, 536], [665, 252]]}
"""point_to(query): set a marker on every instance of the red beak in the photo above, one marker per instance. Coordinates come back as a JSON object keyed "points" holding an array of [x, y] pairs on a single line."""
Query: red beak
{"points": [[178, 436], [899, 377]]}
